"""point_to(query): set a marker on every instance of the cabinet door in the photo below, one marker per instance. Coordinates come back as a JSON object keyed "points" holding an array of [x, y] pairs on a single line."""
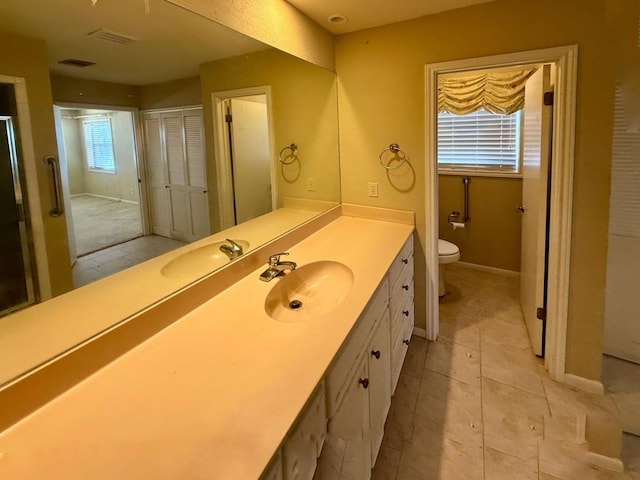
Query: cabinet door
{"points": [[274, 471], [305, 441], [347, 449], [380, 383]]}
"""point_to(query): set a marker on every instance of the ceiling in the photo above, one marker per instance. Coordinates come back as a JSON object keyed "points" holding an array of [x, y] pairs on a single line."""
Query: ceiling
{"points": [[172, 42], [363, 14]]}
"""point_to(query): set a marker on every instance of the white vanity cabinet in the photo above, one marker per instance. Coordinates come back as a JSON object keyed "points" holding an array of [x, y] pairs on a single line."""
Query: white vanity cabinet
{"points": [[401, 308], [357, 388], [304, 443], [274, 471]]}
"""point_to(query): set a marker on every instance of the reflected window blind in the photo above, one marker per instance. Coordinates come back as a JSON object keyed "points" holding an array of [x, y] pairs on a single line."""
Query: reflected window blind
{"points": [[480, 141], [624, 207], [99, 145]]}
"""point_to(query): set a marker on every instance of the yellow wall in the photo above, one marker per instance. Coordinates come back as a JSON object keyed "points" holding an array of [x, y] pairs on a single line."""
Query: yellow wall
{"points": [[304, 100], [381, 100], [177, 93], [93, 92], [492, 236], [27, 58]]}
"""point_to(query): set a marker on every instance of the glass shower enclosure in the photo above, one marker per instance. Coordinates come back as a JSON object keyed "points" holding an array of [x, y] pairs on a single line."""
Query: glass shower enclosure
{"points": [[16, 275]]}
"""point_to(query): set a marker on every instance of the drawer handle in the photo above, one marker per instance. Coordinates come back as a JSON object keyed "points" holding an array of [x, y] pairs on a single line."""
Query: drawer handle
{"points": [[406, 342], [405, 287], [405, 313], [364, 382], [376, 353], [405, 260]]}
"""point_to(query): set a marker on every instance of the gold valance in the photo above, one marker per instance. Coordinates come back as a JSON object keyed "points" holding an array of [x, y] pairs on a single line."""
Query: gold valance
{"points": [[497, 92]]}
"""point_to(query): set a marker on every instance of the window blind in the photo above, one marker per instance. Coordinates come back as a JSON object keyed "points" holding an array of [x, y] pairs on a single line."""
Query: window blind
{"points": [[481, 141], [99, 145], [624, 206]]}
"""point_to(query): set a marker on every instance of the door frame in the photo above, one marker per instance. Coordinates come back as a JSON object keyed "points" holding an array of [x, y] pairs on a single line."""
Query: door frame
{"points": [[139, 152], [561, 196], [31, 181], [222, 150]]}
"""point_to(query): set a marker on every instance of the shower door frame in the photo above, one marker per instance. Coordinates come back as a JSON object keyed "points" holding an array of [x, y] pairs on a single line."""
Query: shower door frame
{"points": [[30, 178], [23, 229]]}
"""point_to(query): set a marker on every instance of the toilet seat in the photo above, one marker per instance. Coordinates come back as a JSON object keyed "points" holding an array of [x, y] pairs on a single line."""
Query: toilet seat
{"points": [[447, 252]]}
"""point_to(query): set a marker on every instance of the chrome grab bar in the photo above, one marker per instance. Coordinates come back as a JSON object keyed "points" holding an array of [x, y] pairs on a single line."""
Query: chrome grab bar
{"points": [[466, 181], [58, 209]]}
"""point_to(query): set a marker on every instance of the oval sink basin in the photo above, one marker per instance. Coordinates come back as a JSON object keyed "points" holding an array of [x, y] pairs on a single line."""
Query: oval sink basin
{"points": [[309, 291], [199, 261]]}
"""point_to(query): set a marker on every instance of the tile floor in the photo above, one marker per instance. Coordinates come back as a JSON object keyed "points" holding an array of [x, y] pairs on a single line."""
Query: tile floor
{"points": [[477, 404], [95, 266], [621, 379]]}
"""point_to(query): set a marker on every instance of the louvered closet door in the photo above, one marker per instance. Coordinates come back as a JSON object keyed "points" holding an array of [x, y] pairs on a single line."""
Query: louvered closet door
{"points": [[176, 164], [177, 169], [157, 192], [197, 173]]}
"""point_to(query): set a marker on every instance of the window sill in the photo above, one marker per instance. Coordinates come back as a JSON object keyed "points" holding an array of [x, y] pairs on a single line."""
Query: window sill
{"points": [[474, 173]]}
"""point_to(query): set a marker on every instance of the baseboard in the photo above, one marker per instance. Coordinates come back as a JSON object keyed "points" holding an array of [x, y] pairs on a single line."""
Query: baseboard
{"points": [[114, 199], [607, 463], [419, 332], [584, 384], [486, 268]]}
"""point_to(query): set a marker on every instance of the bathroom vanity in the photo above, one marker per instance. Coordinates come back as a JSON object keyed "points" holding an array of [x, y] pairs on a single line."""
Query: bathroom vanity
{"points": [[235, 389]]}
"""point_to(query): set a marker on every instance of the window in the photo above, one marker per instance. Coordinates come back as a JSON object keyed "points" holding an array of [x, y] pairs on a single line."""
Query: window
{"points": [[480, 141], [99, 145]]}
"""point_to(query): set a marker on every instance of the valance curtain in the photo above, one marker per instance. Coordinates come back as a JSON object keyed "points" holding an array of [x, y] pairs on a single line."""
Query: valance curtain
{"points": [[496, 92]]}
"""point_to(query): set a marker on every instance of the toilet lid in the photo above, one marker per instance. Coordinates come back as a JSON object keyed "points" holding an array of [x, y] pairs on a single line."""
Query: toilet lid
{"points": [[447, 248]]}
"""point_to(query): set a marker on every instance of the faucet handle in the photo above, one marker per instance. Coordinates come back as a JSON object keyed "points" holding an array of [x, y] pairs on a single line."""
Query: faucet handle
{"points": [[275, 258]]}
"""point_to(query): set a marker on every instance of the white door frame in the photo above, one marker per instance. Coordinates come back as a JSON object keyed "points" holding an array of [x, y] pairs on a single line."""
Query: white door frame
{"points": [[561, 196], [222, 151], [139, 152]]}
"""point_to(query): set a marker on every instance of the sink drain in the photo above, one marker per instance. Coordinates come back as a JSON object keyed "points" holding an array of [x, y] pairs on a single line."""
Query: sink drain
{"points": [[295, 304]]}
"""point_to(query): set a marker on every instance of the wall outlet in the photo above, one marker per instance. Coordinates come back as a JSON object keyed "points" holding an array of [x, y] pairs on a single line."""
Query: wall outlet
{"points": [[372, 188], [311, 184]]}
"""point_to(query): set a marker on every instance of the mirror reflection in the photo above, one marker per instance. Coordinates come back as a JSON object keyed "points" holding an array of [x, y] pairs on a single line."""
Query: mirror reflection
{"points": [[161, 129]]}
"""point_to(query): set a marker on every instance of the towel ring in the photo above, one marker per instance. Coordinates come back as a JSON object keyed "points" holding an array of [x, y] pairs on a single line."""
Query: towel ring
{"points": [[294, 154], [395, 149]]}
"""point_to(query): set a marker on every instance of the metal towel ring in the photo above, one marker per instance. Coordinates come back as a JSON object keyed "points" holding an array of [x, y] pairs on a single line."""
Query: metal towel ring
{"points": [[394, 148], [294, 154]]}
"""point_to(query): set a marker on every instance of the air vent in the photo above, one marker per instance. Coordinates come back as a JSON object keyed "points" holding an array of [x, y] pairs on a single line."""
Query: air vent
{"points": [[113, 37], [76, 63]]}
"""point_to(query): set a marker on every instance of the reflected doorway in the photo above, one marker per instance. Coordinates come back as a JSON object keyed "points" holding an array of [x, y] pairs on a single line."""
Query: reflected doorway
{"points": [[98, 159], [246, 180]]}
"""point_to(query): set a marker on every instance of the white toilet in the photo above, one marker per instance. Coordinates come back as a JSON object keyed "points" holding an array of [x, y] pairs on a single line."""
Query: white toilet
{"points": [[447, 253]]}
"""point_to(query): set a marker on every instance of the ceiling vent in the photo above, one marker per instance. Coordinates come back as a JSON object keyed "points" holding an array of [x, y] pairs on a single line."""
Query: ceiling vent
{"points": [[76, 63], [113, 37]]}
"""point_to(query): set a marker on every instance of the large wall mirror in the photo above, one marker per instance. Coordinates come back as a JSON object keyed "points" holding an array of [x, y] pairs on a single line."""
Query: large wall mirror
{"points": [[167, 125]]}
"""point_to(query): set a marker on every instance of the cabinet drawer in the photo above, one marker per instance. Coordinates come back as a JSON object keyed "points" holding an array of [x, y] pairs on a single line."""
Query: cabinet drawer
{"points": [[345, 362], [304, 442], [403, 260], [404, 315], [399, 352], [402, 290]]}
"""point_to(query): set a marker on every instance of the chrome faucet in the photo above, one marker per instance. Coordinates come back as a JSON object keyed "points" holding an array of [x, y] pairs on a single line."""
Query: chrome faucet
{"points": [[276, 267], [232, 251]]}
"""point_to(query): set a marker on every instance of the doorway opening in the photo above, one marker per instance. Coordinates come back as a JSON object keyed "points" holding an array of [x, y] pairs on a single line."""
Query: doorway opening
{"points": [[246, 174], [98, 158], [564, 61]]}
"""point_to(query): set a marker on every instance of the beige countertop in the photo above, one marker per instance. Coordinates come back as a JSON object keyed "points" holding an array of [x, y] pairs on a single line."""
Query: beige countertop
{"points": [[51, 320], [213, 395]]}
